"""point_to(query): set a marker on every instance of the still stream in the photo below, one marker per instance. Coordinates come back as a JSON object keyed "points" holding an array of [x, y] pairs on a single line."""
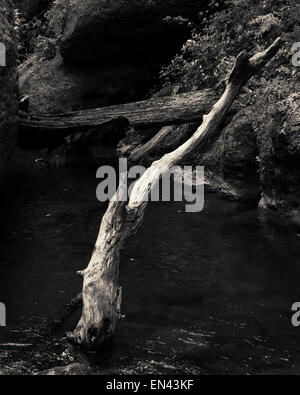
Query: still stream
{"points": [[203, 293]]}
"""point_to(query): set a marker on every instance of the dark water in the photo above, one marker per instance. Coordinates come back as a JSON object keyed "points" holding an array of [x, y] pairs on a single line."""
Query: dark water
{"points": [[203, 293]]}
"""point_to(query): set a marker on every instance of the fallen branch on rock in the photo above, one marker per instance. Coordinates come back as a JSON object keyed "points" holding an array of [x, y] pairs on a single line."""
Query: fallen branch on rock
{"points": [[157, 142]]}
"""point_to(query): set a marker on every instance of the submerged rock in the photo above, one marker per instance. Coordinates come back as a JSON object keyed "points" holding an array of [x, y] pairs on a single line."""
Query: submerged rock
{"points": [[9, 87]]}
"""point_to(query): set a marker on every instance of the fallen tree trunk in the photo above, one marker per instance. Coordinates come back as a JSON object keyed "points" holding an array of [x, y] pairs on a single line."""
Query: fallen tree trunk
{"points": [[50, 131], [159, 111], [101, 292]]}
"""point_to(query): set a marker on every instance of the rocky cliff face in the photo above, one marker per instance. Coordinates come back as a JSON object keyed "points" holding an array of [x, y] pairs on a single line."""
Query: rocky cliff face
{"points": [[257, 155], [9, 88], [279, 154]]}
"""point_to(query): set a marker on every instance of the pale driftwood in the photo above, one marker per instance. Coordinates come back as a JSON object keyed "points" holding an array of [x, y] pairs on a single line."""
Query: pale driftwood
{"points": [[101, 292], [243, 70]]}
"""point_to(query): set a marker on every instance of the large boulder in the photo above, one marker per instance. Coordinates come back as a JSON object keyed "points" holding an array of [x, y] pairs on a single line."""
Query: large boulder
{"points": [[102, 52], [9, 87], [107, 31], [55, 88], [231, 163]]}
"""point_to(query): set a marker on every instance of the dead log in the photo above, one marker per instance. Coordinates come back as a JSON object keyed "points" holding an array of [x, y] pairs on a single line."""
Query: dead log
{"points": [[159, 111], [156, 142], [97, 325], [110, 123], [101, 292]]}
